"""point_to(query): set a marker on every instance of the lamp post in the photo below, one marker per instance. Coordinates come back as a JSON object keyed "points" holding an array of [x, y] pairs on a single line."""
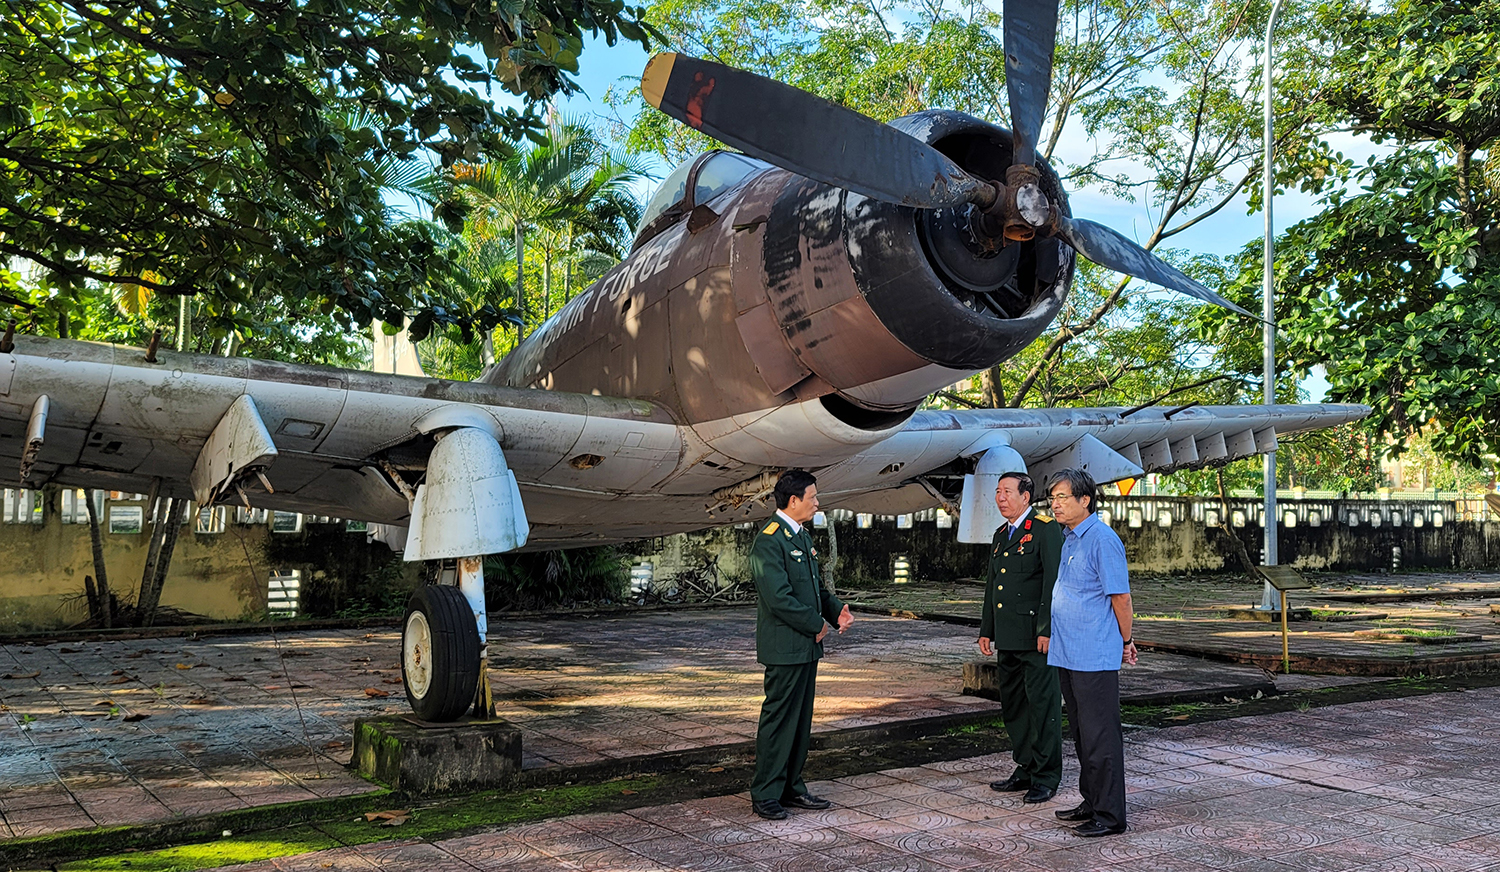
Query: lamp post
{"points": [[1269, 521]]}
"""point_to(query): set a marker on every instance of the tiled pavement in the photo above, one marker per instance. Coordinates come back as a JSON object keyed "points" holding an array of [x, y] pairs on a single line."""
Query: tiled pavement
{"points": [[1385, 786], [1189, 613], [239, 721]]}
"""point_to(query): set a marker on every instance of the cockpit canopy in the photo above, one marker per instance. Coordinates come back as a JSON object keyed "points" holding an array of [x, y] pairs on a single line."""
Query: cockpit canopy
{"points": [[694, 182]]}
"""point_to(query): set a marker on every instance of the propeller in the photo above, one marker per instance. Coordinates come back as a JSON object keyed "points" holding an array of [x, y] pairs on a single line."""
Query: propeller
{"points": [[769, 120], [1030, 31], [818, 139]]}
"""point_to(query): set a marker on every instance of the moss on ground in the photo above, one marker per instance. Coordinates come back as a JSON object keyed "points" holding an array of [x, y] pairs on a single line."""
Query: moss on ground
{"points": [[429, 819]]}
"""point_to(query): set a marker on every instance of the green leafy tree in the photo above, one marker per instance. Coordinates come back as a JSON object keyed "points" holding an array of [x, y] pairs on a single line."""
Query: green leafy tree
{"points": [[233, 150], [1394, 285], [566, 179]]}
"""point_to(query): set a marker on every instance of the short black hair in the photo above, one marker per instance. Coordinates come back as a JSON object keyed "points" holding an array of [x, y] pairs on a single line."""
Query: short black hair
{"points": [[792, 483], [1078, 481], [1023, 483]]}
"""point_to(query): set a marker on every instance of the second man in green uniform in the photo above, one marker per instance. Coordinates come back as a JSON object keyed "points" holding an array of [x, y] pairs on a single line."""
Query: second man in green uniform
{"points": [[1016, 628]]}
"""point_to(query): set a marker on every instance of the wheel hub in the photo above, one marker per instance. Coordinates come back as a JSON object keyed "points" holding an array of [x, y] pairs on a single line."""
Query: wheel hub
{"points": [[416, 654]]}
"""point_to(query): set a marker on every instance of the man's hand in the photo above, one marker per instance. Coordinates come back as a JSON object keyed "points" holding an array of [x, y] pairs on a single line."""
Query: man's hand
{"points": [[985, 647], [1043, 643], [823, 632], [1131, 656], [845, 620]]}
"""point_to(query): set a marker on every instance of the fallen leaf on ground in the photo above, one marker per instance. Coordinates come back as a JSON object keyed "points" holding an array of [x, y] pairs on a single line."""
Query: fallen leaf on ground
{"points": [[628, 792], [717, 769], [235, 678], [201, 700], [333, 745], [121, 680], [118, 672], [130, 719], [392, 814], [103, 702], [390, 681], [376, 693], [368, 636], [20, 675], [186, 665], [393, 822], [1178, 718]]}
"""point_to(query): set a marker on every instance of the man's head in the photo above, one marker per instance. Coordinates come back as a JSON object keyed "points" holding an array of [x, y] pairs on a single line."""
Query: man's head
{"points": [[1074, 496], [1013, 494], [797, 495]]}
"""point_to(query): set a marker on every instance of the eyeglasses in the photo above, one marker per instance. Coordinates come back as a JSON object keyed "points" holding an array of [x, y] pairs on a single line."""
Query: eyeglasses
{"points": [[1057, 498]]}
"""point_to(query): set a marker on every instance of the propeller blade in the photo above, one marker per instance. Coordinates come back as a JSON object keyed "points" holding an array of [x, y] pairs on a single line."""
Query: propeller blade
{"points": [[805, 134], [1111, 250], [1030, 28]]}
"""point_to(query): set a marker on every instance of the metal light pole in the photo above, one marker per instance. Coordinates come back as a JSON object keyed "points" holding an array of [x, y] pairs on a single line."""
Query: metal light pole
{"points": [[1268, 186]]}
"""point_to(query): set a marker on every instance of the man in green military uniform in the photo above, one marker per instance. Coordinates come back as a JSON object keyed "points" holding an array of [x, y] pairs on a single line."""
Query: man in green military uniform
{"points": [[791, 619], [1016, 628]]}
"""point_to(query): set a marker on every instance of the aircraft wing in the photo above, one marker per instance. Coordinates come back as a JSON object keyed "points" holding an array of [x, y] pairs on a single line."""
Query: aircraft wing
{"points": [[917, 468], [309, 439]]}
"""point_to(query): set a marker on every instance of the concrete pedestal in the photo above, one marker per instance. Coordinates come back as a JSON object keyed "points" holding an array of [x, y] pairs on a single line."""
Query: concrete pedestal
{"points": [[982, 678], [418, 758]]}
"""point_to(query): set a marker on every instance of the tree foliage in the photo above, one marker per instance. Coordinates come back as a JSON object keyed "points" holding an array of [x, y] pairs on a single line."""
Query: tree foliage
{"points": [[1395, 285], [239, 149]]}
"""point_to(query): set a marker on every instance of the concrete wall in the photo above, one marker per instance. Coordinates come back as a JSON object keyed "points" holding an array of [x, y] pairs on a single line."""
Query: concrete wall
{"points": [[1161, 534], [222, 575]]}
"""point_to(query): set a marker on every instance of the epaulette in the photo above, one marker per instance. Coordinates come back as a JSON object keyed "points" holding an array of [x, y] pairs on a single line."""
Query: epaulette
{"points": [[1047, 519], [770, 528]]}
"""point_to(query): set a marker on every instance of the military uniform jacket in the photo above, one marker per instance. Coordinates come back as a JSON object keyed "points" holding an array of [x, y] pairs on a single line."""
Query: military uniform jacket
{"points": [[1018, 585], [792, 602]]}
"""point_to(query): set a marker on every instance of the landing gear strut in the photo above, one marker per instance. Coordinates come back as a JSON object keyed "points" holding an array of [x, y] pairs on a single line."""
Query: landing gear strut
{"points": [[468, 505]]}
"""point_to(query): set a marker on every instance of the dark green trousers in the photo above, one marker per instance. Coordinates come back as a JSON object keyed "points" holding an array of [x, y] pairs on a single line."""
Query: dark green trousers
{"points": [[785, 732], [1031, 703]]}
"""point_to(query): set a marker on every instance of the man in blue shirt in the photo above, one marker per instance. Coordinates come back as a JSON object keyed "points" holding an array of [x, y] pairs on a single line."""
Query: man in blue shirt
{"points": [[1091, 620]]}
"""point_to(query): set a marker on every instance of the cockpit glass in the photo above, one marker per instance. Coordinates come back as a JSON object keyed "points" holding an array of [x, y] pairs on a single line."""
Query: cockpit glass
{"points": [[672, 189], [721, 172]]}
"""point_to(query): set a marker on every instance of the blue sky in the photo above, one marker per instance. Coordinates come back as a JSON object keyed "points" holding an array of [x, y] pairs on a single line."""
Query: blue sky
{"points": [[602, 67]]}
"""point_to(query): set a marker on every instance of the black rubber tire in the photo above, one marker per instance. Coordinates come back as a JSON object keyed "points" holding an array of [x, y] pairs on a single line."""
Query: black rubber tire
{"points": [[455, 653]]}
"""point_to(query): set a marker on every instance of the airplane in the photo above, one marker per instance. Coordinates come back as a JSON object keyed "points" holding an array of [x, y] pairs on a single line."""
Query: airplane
{"points": [[791, 304]]}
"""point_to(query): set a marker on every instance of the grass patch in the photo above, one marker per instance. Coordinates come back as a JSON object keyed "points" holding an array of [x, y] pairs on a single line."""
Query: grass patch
{"points": [[1173, 616], [1420, 633], [980, 727], [207, 855], [433, 820]]}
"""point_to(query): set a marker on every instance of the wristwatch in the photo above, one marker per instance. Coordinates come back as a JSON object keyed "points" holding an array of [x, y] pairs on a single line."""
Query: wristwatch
{"points": [[1129, 642]]}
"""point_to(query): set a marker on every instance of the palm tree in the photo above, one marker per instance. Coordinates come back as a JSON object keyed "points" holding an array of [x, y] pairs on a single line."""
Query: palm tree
{"points": [[548, 186]]}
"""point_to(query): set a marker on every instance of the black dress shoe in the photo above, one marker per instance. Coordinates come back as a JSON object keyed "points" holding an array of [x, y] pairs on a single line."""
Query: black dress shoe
{"points": [[1038, 793], [808, 801], [1094, 829], [769, 809], [1018, 780], [1081, 813]]}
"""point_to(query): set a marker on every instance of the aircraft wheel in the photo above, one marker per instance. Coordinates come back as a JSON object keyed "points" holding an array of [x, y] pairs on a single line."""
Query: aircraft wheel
{"points": [[439, 653]]}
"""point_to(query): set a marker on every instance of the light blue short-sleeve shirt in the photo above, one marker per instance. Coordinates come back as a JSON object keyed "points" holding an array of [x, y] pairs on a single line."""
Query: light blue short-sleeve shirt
{"points": [[1085, 633]]}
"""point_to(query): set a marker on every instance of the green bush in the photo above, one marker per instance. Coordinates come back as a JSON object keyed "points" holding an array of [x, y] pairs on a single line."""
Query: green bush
{"points": [[545, 579]]}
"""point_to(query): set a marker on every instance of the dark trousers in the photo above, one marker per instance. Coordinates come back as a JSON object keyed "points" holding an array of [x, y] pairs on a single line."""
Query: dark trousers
{"points": [[785, 731], [1031, 704], [1093, 700]]}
